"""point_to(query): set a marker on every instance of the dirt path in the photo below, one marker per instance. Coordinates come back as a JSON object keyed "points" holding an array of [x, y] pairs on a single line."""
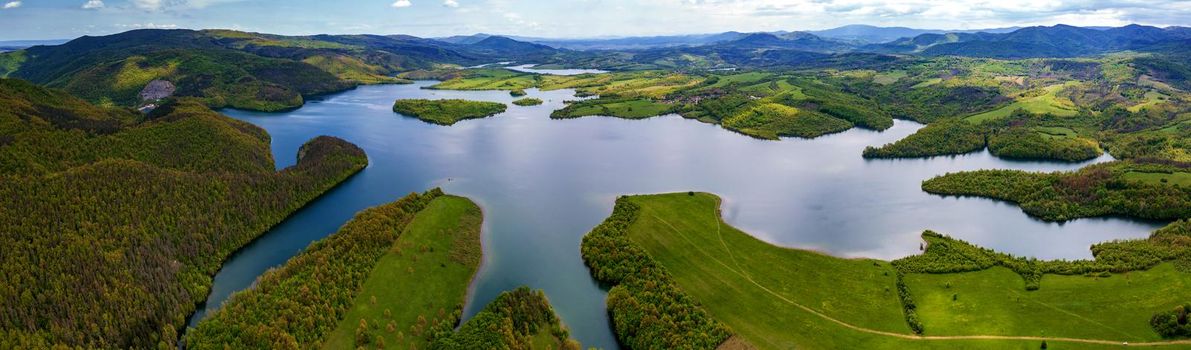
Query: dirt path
{"points": [[893, 334]]}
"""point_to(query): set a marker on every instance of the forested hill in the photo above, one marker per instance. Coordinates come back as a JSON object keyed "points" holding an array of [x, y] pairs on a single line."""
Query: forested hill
{"points": [[115, 222], [245, 70], [1032, 42]]}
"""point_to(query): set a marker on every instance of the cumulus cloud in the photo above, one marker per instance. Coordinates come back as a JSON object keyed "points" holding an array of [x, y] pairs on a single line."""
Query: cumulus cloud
{"points": [[93, 4], [450, 3], [401, 4], [12, 5]]}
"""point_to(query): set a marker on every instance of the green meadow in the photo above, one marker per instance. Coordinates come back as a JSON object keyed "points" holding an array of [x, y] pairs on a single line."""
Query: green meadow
{"points": [[1046, 101], [1172, 178], [420, 281], [780, 298], [995, 302], [628, 109]]}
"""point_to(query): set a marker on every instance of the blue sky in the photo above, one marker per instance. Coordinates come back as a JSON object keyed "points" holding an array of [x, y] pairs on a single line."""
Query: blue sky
{"points": [[51, 19]]}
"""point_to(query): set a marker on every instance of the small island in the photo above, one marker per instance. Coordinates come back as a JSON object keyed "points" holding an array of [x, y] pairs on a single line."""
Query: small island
{"points": [[528, 101], [447, 112]]}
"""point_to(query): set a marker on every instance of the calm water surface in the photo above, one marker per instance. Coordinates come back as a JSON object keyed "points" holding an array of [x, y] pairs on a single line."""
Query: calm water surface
{"points": [[544, 183], [526, 68]]}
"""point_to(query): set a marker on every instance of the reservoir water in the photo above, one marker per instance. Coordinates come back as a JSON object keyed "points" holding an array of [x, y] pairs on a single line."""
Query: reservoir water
{"points": [[544, 183]]}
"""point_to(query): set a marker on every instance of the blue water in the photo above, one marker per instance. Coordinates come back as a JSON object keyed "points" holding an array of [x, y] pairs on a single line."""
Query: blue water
{"points": [[526, 68], [544, 183]]}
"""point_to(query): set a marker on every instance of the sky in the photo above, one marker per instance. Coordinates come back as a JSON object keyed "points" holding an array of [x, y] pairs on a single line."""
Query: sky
{"points": [[64, 19]]}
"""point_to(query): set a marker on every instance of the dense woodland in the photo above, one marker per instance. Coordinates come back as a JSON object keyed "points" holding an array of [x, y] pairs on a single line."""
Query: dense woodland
{"points": [[114, 223], [299, 304], [528, 101], [1128, 188], [513, 321], [648, 309], [940, 138], [447, 112]]}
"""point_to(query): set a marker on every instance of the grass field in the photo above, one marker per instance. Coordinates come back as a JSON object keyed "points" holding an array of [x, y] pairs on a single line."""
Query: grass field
{"points": [[650, 84], [890, 77], [738, 79], [1152, 99], [1181, 178], [779, 298], [1047, 102], [994, 301], [489, 79], [927, 83], [775, 87], [631, 109], [1055, 131], [425, 276]]}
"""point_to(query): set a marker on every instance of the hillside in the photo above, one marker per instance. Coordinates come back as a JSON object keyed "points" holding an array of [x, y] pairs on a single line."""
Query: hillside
{"points": [[115, 222], [1054, 41], [243, 70]]}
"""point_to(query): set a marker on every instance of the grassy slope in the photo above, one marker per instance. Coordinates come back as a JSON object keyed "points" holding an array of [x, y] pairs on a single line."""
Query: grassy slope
{"points": [[681, 230], [754, 287], [425, 274], [994, 301], [489, 79], [1047, 102], [1181, 179], [771, 120], [630, 109]]}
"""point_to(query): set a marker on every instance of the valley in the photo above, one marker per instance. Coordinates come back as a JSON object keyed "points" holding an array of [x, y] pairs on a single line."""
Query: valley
{"points": [[851, 187]]}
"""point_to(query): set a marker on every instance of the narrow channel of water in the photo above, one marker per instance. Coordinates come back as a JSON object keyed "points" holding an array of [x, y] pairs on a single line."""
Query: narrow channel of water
{"points": [[544, 183]]}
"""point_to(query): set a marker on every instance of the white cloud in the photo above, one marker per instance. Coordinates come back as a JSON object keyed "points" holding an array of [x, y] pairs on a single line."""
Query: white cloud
{"points": [[934, 14], [450, 3], [401, 4], [93, 4], [151, 5], [12, 5]]}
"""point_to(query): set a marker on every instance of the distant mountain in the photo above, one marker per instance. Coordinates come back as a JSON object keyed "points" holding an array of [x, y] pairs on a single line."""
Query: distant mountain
{"points": [[644, 42], [22, 44], [1054, 41], [867, 34], [246, 70], [509, 48], [858, 34], [464, 39], [793, 41]]}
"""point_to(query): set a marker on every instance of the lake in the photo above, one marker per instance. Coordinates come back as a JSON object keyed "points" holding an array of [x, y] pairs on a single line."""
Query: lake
{"points": [[544, 183]]}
